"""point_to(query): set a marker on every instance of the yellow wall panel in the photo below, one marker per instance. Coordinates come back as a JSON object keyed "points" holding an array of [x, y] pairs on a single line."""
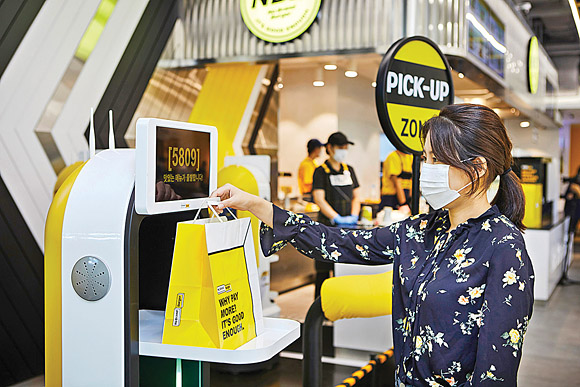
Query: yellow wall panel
{"points": [[223, 100]]}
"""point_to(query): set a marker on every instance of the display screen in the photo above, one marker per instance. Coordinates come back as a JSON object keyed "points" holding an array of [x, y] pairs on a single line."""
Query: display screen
{"points": [[486, 36], [182, 158]]}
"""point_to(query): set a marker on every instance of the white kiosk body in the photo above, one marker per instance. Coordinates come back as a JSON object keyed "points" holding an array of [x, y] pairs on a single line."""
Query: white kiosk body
{"points": [[117, 243]]}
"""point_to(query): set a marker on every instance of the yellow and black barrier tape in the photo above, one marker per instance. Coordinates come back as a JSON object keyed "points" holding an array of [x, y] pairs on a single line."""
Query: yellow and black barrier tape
{"points": [[367, 369]]}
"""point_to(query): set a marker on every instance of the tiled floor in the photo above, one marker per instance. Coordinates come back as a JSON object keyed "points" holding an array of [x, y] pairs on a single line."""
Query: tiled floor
{"points": [[551, 350]]}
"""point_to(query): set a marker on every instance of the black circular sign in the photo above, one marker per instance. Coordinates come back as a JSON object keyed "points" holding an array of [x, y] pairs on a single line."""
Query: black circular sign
{"points": [[413, 83]]}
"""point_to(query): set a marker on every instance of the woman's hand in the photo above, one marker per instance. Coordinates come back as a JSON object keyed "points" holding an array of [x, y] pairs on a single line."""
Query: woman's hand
{"points": [[237, 199], [233, 197]]}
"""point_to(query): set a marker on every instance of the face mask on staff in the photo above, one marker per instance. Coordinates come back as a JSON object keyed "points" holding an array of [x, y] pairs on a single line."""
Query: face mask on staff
{"points": [[337, 146], [340, 155]]}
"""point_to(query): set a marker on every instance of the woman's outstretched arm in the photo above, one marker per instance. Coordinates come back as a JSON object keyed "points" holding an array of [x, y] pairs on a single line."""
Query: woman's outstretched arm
{"points": [[315, 240]]}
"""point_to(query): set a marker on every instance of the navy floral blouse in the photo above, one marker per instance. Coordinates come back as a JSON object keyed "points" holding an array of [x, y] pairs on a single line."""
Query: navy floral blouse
{"points": [[462, 300]]}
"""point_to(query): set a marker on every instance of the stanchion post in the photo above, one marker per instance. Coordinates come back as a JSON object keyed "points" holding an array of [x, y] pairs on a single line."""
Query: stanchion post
{"points": [[312, 345], [415, 189]]}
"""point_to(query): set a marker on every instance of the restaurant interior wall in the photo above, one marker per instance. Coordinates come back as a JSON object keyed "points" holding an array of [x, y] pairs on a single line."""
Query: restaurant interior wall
{"points": [[305, 112], [538, 142], [574, 149], [344, 104], [564, 136], [357, 117]]}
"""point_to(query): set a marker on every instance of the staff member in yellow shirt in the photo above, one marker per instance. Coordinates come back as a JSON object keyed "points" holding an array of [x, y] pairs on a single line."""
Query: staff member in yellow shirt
{"points": [[307, 167], [397, 181]]}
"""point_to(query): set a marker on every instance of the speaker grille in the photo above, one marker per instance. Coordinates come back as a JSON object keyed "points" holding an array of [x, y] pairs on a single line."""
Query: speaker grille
{"points": [[90, 278]]}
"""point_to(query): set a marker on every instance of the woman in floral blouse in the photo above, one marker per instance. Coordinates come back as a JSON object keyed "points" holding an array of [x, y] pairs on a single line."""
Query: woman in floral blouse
{"points": [[463, 296]]}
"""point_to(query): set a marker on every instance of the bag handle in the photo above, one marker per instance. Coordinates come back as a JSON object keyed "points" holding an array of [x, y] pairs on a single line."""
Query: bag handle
{"points": [[207, 204]]}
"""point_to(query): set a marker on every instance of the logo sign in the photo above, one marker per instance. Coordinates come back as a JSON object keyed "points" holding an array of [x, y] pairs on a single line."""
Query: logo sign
{"points": [[533, 65], [413, 83], [279, 21]]}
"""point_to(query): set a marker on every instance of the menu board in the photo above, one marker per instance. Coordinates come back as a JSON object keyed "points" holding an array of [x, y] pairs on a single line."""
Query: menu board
{"points": [[531, 170], [182, 164]]}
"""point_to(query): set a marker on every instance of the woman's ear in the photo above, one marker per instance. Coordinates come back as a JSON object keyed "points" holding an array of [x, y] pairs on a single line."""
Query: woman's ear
{"points": [[481, 166]]}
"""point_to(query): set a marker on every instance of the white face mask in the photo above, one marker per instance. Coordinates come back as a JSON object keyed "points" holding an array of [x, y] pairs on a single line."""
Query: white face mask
{"points": [[434, 183], [340, 155]]}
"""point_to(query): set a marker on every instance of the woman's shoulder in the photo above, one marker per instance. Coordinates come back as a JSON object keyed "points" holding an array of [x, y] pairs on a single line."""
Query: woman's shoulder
{"points": [[508, 247], [502, 230]]}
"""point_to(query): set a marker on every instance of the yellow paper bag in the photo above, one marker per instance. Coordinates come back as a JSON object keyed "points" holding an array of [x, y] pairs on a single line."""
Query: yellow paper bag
{"points": [[213, 299]]}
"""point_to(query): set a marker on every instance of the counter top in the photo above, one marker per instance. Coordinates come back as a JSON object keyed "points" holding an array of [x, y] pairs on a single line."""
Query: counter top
{"points": [[278, 334]]}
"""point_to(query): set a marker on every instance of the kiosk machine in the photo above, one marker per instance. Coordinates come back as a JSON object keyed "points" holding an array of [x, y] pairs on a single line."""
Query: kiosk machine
{"points": [[109, 246]]}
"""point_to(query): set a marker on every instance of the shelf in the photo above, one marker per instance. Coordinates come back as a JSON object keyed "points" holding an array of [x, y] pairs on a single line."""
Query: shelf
{"points": [[278, 334]]}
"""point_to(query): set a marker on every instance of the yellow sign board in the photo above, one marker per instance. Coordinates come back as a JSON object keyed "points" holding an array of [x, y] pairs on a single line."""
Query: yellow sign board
{"points": [[413, 83], [533, 65], [279, 21]]}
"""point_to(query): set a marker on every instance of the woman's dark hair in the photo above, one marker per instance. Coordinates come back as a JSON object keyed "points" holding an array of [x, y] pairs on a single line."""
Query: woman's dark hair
{"points": [[463, 132]]}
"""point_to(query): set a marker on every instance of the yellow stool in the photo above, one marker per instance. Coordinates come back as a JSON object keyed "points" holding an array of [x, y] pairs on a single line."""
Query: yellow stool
{"points": [[342, 297]]}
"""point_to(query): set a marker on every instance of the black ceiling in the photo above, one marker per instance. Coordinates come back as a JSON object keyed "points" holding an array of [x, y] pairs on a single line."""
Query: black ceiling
{"points": [[553, 24]]}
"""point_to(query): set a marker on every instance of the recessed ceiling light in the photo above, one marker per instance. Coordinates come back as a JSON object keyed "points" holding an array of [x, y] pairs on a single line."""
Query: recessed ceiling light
{"points": [[525, 124], [280, 85], [460, 75], [374, 84], [350, 74], [318, 83], [330, 67]]}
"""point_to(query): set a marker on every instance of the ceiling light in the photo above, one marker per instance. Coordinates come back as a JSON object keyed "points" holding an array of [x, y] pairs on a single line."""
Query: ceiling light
{"points": [[318, 78], [574, 10], [330, 67], [280, 85], [525, 124], [374, 84], [351, 69], [460, 75]]}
